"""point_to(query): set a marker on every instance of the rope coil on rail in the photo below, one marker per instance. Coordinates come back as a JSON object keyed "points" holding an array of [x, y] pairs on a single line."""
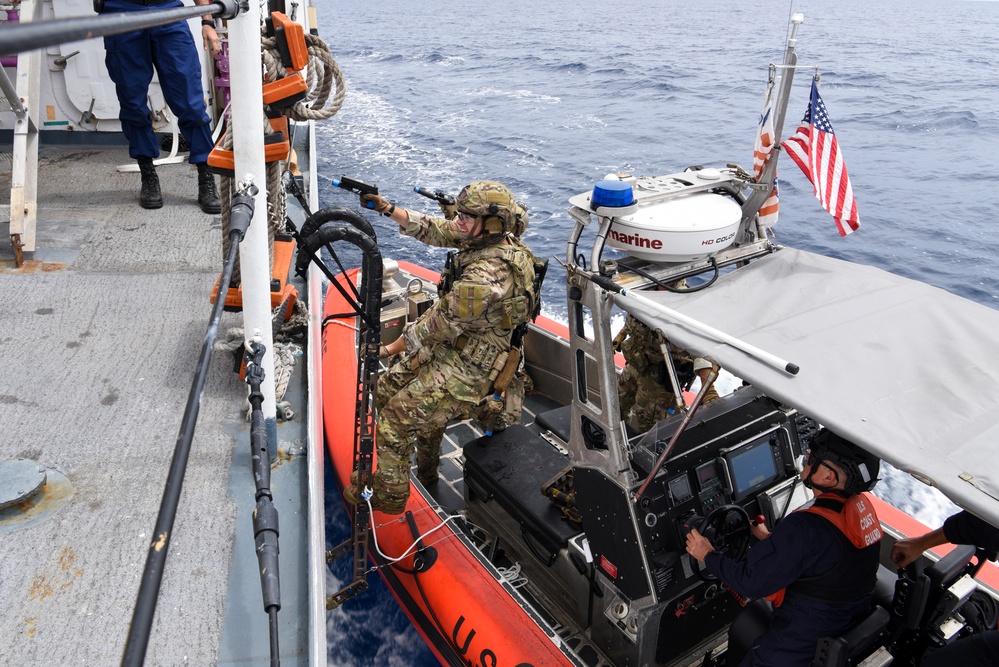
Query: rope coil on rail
{"points": [[323, 72]]}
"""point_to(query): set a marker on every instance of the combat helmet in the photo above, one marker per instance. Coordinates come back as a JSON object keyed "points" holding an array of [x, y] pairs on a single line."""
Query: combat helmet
{"points": [[861, 468], [493, 203]]}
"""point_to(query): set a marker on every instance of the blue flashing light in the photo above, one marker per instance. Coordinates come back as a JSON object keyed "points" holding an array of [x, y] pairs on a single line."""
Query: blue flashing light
{"points": [[613, 194]]}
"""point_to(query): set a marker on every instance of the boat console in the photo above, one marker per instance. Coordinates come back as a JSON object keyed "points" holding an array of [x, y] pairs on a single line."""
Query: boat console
{"points": [[737, 460], [624, 571]]}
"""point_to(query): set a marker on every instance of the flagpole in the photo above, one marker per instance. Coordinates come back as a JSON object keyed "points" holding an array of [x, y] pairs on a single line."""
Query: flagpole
{"points": [[786, 78], [757, 197]]}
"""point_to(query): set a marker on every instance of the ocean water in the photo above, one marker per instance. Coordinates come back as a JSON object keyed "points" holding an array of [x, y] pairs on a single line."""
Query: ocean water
{"points": [[549, 97]]}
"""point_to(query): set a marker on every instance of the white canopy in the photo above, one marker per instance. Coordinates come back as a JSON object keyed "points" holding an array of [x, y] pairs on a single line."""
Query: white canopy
{"points": [[907, 371]]}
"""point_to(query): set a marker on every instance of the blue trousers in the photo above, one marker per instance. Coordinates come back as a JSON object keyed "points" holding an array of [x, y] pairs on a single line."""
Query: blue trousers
{"points": [[796, 627], [130, 60]]}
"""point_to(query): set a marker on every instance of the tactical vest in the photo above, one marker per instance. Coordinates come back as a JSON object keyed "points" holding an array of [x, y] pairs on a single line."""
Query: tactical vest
{"points": [[516, 309], [859, 532]]}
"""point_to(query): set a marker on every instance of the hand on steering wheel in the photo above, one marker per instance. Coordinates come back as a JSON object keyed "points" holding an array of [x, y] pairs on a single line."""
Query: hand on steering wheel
{"points": [[727, 529]]}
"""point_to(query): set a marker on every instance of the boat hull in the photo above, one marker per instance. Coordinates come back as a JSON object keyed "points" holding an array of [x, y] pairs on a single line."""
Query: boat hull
{"points": [[460, 605]]}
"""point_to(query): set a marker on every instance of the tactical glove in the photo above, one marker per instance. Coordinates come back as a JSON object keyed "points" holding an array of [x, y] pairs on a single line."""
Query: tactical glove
{"points": [[450, 211], [376, 202]]}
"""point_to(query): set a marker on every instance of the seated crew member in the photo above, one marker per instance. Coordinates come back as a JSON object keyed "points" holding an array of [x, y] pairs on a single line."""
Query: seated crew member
{"points": [[644, 388], [819, 566], [460, 344], [982, 648]]}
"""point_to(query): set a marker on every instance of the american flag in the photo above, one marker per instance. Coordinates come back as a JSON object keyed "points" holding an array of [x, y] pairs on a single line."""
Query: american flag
{"points": [[814, 148], [761, 153]]}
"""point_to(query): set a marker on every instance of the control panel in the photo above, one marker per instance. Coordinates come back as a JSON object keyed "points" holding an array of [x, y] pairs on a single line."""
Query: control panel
{"points": [[733, 450]]}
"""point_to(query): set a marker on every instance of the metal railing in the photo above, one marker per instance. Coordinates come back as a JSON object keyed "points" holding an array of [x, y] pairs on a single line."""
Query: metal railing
{"points": [[40, 34]]}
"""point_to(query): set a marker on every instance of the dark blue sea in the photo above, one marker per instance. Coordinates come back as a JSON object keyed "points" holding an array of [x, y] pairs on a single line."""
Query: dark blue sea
{"points": [[548, 97]]}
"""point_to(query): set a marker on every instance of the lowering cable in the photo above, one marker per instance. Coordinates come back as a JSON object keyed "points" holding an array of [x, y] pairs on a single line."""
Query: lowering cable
{"points": [[265, 515], [366, 495]]}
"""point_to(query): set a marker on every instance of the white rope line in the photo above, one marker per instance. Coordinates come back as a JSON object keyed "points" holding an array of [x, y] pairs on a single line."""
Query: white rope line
{"points": [[366, 494]]}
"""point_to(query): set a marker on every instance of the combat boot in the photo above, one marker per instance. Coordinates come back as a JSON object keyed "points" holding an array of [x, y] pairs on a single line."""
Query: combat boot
{"points": [[149, 193], [208, 194], [426, 472]]}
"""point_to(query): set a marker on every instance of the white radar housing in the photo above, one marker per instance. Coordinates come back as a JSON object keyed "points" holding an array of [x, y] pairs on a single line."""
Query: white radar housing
{"points": [[678, 230]]}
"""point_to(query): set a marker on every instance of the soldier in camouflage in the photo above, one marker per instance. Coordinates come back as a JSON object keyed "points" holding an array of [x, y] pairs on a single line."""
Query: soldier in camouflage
{"points": [[644, 387], [452, 354]]}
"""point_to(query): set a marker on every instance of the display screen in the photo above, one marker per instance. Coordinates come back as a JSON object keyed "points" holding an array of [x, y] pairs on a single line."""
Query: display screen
{"points": [[679, 488], [752, 466], [706, 474]]}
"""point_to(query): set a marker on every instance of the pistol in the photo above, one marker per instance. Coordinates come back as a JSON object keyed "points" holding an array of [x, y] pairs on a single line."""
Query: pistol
{"points": [[356, 186], [439, 196]]}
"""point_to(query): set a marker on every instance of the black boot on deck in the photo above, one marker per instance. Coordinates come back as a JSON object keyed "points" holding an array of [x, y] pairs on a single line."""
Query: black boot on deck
{"points": [[208, 194], [149, 193]]}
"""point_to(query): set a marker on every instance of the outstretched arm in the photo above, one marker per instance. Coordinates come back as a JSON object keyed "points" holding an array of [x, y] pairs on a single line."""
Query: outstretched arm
{"points": [[961, 528], [908, 550]]}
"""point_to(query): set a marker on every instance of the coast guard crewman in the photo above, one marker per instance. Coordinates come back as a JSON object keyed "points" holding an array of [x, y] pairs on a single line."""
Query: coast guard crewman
{"points": [[980, 649], [170, 49], [820, 564], [455, 350]]}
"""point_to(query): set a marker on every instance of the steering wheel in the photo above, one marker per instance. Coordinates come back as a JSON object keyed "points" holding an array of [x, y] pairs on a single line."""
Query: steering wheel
{"points": [[727, 528]]}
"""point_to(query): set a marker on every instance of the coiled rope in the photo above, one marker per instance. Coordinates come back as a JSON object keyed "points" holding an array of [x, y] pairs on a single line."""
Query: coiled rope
{"points": [[322, 72]]}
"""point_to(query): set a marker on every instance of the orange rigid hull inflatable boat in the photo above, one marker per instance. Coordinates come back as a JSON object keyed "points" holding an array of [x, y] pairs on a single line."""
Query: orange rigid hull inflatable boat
{"points": [[461, 606]]}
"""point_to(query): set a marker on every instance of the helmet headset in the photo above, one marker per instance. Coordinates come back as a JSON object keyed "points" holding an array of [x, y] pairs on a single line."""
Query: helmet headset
{"points": [[860, 468], [493, 204]]}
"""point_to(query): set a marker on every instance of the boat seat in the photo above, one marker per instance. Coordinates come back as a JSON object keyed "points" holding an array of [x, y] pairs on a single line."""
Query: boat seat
{"points": [[941, 575], [556, 421], [509, 468], [884, 589], [858, 641]]}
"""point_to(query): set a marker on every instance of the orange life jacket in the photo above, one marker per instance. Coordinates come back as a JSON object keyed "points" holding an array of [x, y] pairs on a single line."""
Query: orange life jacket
{"points": [[859, 531]]}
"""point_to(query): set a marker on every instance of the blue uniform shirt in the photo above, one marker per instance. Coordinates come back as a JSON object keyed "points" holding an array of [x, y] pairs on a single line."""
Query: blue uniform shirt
{"points": [[803, 545]]}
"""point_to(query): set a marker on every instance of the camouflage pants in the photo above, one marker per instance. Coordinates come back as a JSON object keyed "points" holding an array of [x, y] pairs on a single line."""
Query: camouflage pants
{"points": [[644, 401], [414, 407], [427, 436]]}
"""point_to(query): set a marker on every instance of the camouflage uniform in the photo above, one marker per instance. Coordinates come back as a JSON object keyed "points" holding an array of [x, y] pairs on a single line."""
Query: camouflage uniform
{"points": [[645, 397], [454, 351]]}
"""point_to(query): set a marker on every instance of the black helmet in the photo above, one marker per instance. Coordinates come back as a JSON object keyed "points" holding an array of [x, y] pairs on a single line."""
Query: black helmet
{"points": [[860, 467]]}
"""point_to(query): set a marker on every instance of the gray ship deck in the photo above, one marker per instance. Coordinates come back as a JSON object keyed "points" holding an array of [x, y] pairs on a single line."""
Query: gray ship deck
{"points": [[100, 334]]}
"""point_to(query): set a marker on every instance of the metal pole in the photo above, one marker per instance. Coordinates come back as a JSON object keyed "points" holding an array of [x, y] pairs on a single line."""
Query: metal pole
{"points": [[10, 94], [40, 34], [758, 197], [786, 78], [248, 148]]}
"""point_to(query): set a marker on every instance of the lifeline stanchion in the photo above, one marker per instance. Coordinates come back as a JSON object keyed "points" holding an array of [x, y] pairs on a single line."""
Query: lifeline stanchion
{"points": [[152, 574]]}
